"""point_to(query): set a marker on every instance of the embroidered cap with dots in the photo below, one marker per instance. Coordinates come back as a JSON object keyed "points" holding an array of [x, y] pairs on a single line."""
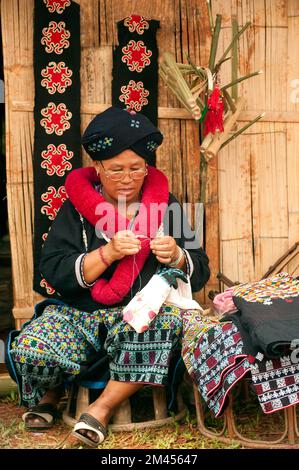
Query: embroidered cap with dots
{"points": [[116, 130]]}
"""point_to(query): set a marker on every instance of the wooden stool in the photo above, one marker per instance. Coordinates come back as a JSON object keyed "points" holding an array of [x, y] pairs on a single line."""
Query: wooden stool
{"points": [[229, 434], [79, 399]]}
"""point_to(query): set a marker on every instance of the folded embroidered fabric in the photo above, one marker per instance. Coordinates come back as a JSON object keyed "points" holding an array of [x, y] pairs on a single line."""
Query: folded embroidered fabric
{"points": [[144, 307]]}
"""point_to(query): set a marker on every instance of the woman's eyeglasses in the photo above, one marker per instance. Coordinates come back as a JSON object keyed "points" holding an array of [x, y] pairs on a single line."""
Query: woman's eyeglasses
{"points": [[118, 175]]}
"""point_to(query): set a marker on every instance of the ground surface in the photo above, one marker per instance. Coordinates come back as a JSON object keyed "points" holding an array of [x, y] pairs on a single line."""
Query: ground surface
{"points": [[185, 435], [178, 436]]}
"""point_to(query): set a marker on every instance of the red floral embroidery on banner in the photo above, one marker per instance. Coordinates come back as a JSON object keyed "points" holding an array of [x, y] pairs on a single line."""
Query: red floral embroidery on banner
{"points": [[56, 118], [45, 236], [57, 77], [134, 95], [57, 5], [54, 199], [136, 56], [43, 283], [136, 23], [55, 160], [55, 37]]}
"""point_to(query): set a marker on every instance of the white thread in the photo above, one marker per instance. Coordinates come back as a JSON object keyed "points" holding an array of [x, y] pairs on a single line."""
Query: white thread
{"points": [[133, 273]]}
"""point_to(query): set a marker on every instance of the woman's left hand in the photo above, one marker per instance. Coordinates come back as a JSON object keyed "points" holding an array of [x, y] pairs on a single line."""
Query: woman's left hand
{"points": [[165, 249]]}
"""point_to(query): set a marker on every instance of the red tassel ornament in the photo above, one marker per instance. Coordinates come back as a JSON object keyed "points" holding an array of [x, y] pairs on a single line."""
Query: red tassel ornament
{"points": [[214, 118]]}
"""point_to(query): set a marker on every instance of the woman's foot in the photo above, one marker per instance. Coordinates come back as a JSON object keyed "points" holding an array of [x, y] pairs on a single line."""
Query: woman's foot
{"points": [[102, 416], [92, 425], [42, 416], [89, 430]]}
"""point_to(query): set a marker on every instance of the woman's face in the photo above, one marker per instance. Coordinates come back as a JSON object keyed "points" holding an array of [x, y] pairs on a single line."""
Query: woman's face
{"points": [[126, 187]]}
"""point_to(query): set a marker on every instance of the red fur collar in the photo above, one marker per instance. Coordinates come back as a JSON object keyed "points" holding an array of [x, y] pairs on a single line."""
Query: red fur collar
{"points": [[80, 189]]}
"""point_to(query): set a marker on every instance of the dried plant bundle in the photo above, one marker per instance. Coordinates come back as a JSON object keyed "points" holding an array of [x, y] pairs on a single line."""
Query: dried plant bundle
{"points": [[193, 84]]}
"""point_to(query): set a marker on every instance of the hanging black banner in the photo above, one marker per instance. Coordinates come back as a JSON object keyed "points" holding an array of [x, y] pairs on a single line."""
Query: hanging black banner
{"points": [[135, 66], [57, 147]]}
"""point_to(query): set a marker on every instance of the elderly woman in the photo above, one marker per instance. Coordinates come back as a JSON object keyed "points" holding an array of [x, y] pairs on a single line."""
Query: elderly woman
{"points": [[117, 255]]}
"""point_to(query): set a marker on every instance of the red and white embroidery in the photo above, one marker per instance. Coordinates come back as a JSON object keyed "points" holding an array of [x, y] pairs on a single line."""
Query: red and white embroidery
{"points": [[54, 201], [134, 95], [56, 160], [57, 77], [57, 5], [56, 118], [136, 23], [55, 37], [45, 236], [136, 56], [46, 285]]}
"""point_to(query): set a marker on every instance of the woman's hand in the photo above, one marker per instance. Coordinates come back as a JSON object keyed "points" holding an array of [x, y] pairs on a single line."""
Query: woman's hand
{"points": [[165, 249], [123, 243]]}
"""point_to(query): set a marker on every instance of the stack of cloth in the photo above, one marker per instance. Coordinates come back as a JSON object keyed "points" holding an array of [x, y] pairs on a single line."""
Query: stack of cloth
{"points": [[258, 328]]}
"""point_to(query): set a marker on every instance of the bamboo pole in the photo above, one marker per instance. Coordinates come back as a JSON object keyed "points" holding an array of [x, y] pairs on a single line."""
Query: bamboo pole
{"points": [[215, 39], [234, 64], [240, 79], [243, 129], [234, 40]]}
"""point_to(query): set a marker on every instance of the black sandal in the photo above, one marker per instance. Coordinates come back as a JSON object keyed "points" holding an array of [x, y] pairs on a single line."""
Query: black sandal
{"points": [[46, 411], [89, 423]]}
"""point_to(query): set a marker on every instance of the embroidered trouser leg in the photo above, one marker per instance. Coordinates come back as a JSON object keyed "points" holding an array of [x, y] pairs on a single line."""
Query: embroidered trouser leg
{"points": [[53, 346], [143, 357]]}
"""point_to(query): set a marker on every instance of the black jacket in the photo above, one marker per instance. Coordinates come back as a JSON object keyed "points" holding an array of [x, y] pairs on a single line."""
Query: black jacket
{"points": [[65, 243]]}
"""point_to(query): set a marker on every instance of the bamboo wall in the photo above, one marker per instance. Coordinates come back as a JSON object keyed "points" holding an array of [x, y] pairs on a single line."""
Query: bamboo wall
{"points": [[253, 197], [258, 173]]}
